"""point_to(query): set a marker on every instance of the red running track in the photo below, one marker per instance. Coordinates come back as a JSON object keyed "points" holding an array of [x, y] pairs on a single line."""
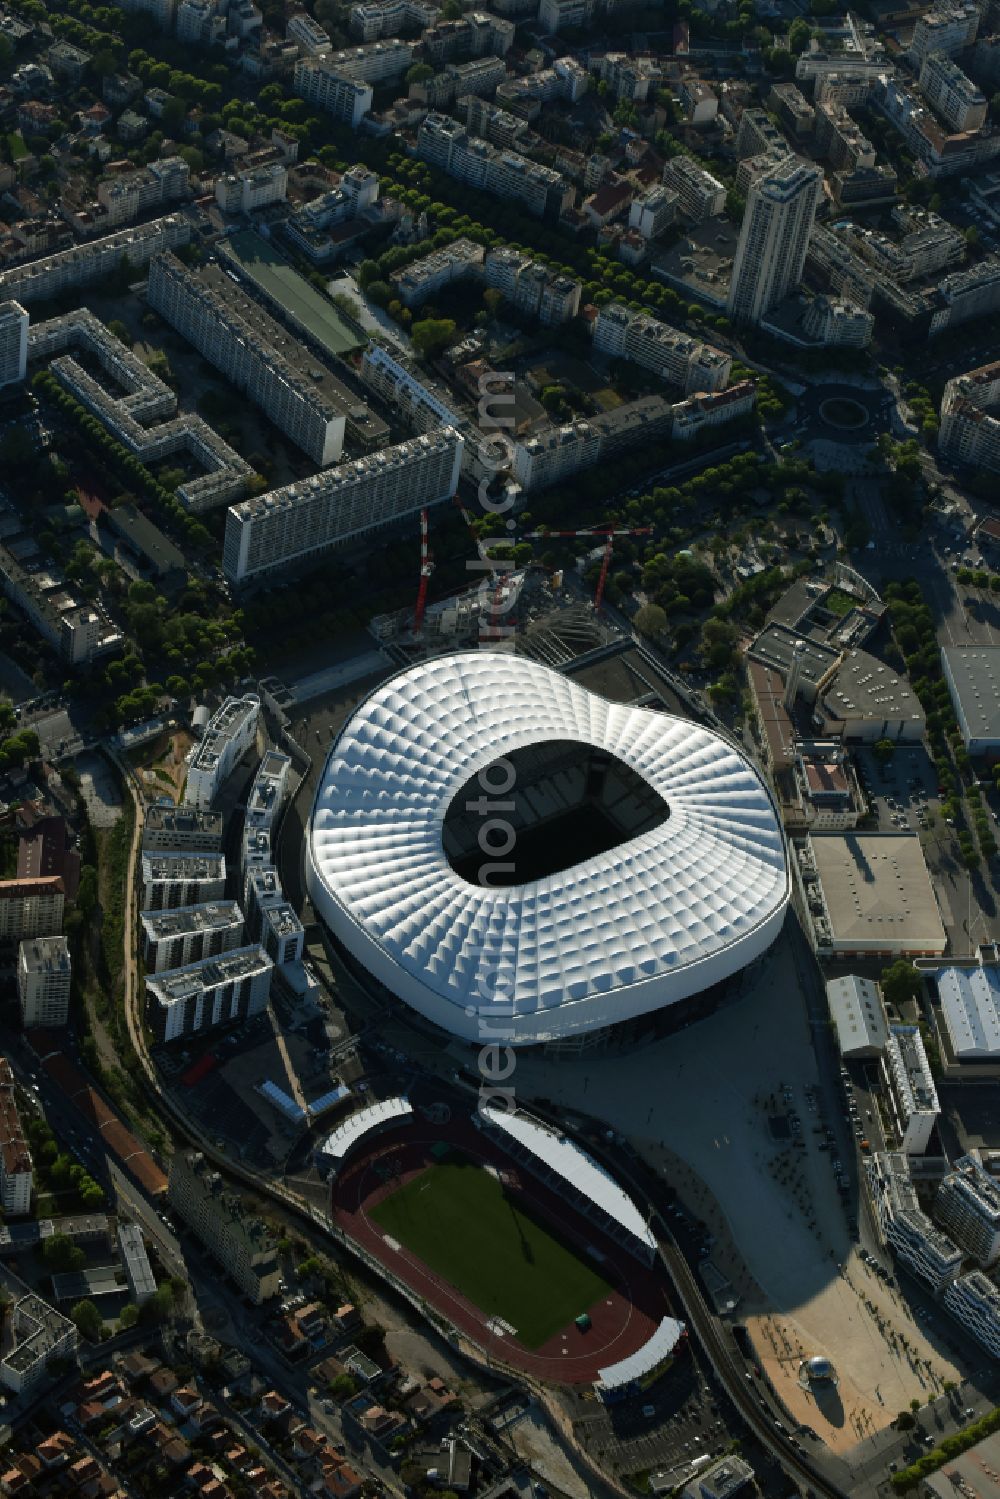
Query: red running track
{"points": [[620, 1324]]}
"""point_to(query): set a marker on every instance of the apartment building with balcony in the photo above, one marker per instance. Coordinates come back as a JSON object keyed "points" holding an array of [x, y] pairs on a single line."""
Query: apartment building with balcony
{"points": [[230, 732], [215, 991], [44, 979], [320, 82], [967, 1207], [239, 1240], [296, 525], [676, 357], [175, 938], [83, 264], [172, 880]]}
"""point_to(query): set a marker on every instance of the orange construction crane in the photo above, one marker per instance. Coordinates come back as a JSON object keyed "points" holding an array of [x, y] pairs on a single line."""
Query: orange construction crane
{"points": [[426, 568]]}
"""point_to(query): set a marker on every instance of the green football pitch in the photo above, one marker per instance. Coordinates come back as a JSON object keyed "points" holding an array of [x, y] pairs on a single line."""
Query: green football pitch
{"points": [[456, 1219]]}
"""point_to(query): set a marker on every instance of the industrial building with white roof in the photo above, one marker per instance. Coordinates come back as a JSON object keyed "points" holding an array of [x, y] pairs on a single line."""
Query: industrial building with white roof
{"points": [[672, 875]]}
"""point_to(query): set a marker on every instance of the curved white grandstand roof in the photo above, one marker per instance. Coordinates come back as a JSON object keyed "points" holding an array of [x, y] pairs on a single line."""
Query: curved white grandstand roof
{"points": [[356, 1126], [648, 1358], [644, 924]]}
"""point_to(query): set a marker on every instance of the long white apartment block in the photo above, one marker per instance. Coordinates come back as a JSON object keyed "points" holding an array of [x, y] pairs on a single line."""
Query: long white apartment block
{"points": [[172, 880], [44, 978], [445, 143], [905, 1227], [246, 345], [16, 1176], [974, 1301], [172, 939], [699, 194], [84, 264], [144, 399], [230, 732], [676, 357], [532, 287], [968, 1208], [374, 62], [425, 277], [232, 986], [422, 405], [13, 343], [289, 527], [910, 1093]]}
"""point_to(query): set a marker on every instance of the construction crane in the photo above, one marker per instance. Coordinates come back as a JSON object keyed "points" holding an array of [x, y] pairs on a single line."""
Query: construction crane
{"points": [[426, 568], [608, 533]]}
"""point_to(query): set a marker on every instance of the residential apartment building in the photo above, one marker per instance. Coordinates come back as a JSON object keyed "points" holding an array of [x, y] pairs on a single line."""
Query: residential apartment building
{"points": [[974, 1301], [13, 343], [654, 213], [249, 191], [840, 140], [201, 22], [215, 991], [554, 454], [230, 732], [374, 62], [269, 790], [474, 34], [425, 277], [181, 830], [910, 1095], [940, 153], [172, 880], [84, 264], [838, 324], [128, 194], [530, 287], [38, 1334], [555, 15], [176, 938], [478, 78], [713, 409], [953, 96], [628, 77], [425, 407], [299, 523], [274, 923], [851, 87], [567, 79], [308, 35], [947, 28], [700, 196], [76, 631], [16, 1177], [929, 245], [963, 295], [758, 133], [970, 418], [345, 98], [968, 1209], [311, 228], [913, 1238], [31, 908], [132, 416], [377, 18], [239, 1240], [774, 237], [792, 108], [446, 144], [676, 357], [498, 126], [252, 350], [44, 979]]}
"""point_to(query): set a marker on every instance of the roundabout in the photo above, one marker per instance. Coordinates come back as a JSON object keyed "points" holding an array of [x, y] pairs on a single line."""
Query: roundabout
{"points": [[844, 413], [837, 412]]}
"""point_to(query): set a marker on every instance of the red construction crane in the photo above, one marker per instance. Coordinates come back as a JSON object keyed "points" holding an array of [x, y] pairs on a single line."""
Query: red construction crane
{"points": [[426, 568], [609, 533]]}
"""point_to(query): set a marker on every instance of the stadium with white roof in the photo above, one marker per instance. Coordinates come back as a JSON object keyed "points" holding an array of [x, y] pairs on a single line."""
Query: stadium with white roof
{"points": [[519, 859]]}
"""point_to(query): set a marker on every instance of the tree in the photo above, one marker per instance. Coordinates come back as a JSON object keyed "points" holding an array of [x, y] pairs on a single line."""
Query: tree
{"points": [[128, 1316], [799, 34], [418, 72], [884, 750], [900, 983], [914, 1405], [88, 1320], [432, 335], [61, 1255], [650, 620], [904, 1421]]}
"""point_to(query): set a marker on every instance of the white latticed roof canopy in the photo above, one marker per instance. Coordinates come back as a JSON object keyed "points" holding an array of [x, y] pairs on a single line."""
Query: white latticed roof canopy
{"points": [[646, 923]]}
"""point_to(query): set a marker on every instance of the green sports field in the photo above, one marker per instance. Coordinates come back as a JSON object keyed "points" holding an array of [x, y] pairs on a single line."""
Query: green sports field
{"points": [[456, 1219]]}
